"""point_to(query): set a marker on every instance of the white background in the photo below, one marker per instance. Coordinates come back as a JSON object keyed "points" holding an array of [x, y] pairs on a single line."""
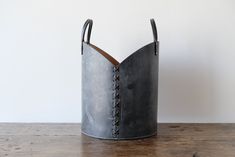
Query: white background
{"points": [[40, 61]]}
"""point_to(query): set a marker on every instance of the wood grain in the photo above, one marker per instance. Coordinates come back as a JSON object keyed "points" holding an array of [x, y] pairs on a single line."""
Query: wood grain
{"points": [[66, 140]]}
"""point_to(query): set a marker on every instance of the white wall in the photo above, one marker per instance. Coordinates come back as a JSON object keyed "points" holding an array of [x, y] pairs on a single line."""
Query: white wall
{"points": [[40, 61]]}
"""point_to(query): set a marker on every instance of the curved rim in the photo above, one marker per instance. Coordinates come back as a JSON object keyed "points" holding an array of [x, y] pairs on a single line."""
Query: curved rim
{"points": [[112, 59], [103, 53], [135, 52]]}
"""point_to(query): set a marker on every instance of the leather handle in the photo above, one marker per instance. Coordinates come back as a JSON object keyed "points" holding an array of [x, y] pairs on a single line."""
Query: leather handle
{"points": [[155, 36], [154, 28], [88, 24]]}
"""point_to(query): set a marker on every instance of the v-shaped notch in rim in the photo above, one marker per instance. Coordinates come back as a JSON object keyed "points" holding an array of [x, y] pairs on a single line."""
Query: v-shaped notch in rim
{"points": [[112, 59]]}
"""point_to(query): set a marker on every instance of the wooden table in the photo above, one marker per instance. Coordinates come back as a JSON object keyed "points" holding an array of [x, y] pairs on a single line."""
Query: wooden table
{"points": [[66, 140]]}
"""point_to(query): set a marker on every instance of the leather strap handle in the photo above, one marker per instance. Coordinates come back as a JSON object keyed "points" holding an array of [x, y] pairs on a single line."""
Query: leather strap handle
{"points": [[154, 28], [88, 24], [155, 36]]}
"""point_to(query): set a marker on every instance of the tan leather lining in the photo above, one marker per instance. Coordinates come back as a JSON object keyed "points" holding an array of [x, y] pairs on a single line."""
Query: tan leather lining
{"points": [[105, 54]]}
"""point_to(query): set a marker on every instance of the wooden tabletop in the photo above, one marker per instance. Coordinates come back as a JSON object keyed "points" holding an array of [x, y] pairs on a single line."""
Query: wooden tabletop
{"points": [[66, 140]]}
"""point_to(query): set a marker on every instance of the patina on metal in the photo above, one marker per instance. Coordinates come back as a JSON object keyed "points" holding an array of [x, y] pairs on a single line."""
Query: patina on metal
{"points": [[119, 100]]}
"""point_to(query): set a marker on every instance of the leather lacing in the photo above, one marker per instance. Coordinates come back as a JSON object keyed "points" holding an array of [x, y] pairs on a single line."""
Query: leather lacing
{"points": [[116, 103]]}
